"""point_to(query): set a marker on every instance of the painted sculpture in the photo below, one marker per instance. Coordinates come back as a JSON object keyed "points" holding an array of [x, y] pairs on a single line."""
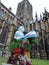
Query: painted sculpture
{"points": [[20, 48]]}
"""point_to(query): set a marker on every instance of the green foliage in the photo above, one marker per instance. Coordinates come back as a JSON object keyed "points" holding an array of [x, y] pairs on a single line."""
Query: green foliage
{"points": [[28, 46], [15, 44], [32, 40]]}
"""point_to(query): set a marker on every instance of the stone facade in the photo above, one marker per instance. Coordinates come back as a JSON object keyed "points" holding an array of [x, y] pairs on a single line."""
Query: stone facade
{"points": [[9, 23], [24, 12], [42, 29]]}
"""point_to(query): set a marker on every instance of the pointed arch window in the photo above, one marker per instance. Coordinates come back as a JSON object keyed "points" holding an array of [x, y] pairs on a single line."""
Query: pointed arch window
{"points": [[46, 45], [41, 44], [22, 6], [3, 35], [2, 14]]}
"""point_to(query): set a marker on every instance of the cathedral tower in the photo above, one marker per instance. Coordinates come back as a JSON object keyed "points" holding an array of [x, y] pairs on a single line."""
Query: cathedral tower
{"points": [[24, 11]]}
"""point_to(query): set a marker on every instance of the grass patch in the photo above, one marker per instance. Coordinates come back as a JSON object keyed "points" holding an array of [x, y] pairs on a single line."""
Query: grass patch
{"points": [[40, 62], [3, 60], [34, 61]]}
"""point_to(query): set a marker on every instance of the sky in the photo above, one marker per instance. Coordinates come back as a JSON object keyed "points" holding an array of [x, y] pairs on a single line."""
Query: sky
{"points": [[38, 5]]}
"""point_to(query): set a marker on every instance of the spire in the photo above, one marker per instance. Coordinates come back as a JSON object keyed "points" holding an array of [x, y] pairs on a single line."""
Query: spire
{"points": [[36, 17], [45, 10], [45, 15], [10, 8], [40, 17]]}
